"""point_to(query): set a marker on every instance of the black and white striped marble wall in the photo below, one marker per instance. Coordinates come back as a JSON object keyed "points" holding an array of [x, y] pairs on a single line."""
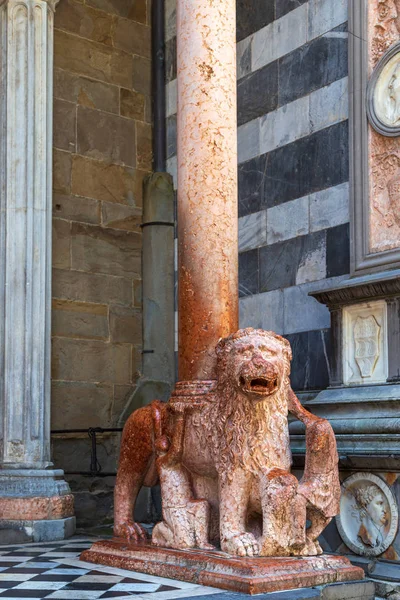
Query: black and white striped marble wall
{"points": [[293, 167]]}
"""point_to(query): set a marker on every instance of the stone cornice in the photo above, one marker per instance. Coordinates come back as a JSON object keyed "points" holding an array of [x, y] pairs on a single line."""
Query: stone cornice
{"points": [[361, 289]]}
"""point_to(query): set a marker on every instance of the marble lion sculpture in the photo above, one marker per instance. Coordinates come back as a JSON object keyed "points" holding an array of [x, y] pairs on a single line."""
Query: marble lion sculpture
{"points": [[224, 463]]}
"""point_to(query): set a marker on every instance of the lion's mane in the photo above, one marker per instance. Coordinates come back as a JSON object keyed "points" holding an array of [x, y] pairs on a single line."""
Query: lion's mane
{"points": [[244, 432]]}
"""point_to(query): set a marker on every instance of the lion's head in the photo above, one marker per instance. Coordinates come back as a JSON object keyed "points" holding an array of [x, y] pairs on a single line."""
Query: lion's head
{"points": [[253, 368], [257, 362]]}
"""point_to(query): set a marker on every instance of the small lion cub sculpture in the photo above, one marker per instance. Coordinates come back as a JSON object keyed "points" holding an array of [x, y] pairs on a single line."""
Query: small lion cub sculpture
{"points": [[223, 461]]}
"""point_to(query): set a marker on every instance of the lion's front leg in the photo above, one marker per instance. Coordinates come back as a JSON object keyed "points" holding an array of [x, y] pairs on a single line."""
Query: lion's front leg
{"points": [[284, 514], [234, 501]]}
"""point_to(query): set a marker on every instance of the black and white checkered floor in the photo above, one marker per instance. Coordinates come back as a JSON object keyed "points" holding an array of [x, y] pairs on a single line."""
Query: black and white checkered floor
{"points": [[53, 570]]}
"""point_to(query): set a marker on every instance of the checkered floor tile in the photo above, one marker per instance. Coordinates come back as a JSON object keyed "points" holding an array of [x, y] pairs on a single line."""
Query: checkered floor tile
{"points": [[53, 570]]}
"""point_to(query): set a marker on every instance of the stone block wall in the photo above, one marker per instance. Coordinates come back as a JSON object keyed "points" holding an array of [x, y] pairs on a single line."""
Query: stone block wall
{"points": [[293, 167], [102, 152]]}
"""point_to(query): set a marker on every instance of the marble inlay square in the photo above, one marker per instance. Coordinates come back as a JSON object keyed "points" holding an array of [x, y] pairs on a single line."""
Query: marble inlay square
{"points": [[365, 354]]}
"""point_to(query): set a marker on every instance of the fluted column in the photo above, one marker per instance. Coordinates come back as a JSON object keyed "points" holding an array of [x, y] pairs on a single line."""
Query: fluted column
{"points": [[26, 74]]}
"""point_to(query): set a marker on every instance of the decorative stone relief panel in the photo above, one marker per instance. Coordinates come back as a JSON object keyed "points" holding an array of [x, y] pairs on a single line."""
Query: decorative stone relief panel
{"points": [[368, 517], [365, 357], [384, 150]]}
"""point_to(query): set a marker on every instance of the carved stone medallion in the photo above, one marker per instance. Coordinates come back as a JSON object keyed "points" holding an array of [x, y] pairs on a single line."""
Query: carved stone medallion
{"points": [[384, 94], [368, 517]]}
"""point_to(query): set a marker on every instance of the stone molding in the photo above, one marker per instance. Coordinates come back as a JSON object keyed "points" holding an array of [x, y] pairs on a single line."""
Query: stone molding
{"points": [[361, 289]]}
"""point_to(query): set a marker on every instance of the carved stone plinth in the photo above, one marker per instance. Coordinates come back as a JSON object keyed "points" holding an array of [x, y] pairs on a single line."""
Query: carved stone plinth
{"points": [[247, 575]]}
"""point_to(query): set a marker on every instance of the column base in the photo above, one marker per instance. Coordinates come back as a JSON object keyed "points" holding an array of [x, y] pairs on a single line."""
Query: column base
{"points": [[35, 505], [49, 530]]}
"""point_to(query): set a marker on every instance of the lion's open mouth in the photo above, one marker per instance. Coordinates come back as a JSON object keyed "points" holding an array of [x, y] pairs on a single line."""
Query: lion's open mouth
{"points": [[259, 385]]}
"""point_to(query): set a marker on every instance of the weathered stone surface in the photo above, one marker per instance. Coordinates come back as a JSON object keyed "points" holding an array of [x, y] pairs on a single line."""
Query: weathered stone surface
{"points": [[122, 394], [249, 140], [118, 216], [338, 250], [71, 450], [109, 183], [94, 140], [263, 311], [285, 125], [280, 37], [287, 220], [132, 37], [170, 19], [75, 208], [171, 91], [243, 57], [88, 404], [313, 65], [132, 104], [253, 230], [142, 75], [329, 105], [79, 19], [329, 207], [92, 59], [80, 320], [81, 90], [301, 312], [131, 9], [62, 171], [61, 244], [324, 15], [87, 360], [105, 250], [125, 325], [91, 287], [64, 125], [251, 16], [144, 149], [137, 293]]}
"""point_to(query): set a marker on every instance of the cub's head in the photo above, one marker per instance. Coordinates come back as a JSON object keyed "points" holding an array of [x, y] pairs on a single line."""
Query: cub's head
{"points": [[255, 361]]}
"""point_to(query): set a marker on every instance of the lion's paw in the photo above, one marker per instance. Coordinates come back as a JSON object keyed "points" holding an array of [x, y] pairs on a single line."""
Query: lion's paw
{"points": [[131, 531], [242, 544]]}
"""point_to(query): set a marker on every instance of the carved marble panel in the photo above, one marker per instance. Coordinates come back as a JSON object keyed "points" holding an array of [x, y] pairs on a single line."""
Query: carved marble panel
{"points": [[368, 517], [384, 150], [365, 357]]}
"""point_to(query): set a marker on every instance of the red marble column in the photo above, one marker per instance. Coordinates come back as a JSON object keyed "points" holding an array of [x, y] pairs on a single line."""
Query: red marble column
{"points": [[207, 182]]}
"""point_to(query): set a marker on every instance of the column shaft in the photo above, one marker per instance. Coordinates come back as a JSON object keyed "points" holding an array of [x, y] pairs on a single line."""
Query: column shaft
{"points": [[25, 231], [207, 181], [35, 501]]}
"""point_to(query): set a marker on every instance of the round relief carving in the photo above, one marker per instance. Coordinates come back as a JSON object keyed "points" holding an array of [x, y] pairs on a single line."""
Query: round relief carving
{"points": [[383, 94], [368, 517]]}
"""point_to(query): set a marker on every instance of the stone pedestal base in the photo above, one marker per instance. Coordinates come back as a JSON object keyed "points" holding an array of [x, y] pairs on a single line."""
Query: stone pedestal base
{"points": [[36, 505], [50, 530], [247, 575]]}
